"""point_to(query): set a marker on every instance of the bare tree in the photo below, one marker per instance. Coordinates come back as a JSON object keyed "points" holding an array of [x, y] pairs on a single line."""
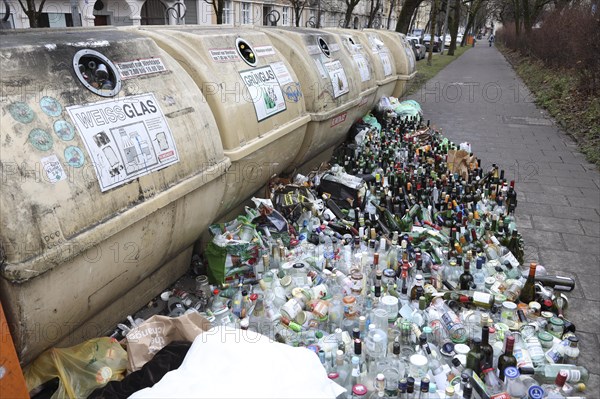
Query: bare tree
{"points": [[32, 13], [453, 24], [472, 13], [298, 7], [434, 16], [374, 7], [350, 6], [406, 13], [389, 18], [218, 6]]}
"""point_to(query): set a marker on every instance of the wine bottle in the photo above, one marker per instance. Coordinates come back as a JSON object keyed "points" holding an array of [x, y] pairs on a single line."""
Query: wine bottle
{"points": [[528, 292]]}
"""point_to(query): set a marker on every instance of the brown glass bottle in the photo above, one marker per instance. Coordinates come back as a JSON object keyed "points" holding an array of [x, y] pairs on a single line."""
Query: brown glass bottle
{"points": [[528, 292]]}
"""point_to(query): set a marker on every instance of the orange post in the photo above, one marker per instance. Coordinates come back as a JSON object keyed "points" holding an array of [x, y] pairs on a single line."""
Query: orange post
{"points": [[12, 382]]}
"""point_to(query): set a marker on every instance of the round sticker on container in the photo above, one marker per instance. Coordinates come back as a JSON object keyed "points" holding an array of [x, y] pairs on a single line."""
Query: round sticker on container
{"points": [[74, 156], [536, 392], [64, 130], [21, 112], [511, 372], [40, 139], [50, 106], [103, 375]]}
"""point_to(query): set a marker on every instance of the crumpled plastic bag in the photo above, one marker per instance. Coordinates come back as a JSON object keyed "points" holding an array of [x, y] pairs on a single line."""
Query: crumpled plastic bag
{"points": [[223, 361], [80, 369], [371, 120]]}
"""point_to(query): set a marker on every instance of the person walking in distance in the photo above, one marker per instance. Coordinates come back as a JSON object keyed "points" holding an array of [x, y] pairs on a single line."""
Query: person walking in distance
{"points": [[491, 40]]}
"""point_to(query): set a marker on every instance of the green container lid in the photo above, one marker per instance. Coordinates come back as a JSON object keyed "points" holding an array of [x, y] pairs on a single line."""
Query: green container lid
{"points": [[545, 339]]}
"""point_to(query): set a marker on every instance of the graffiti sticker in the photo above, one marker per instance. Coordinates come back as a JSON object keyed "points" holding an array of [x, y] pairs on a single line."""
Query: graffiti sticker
{"points": [[40, 140]]}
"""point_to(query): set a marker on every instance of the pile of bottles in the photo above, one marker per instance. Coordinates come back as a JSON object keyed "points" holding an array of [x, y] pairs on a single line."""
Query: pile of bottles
{"points": [[405, 275]]}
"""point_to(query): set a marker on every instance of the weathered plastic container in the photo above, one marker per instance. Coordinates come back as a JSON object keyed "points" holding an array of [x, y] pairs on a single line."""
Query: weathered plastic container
{"points": [[380, 55], [404, 58], [109, 175], [254, 94], [334, 93]]}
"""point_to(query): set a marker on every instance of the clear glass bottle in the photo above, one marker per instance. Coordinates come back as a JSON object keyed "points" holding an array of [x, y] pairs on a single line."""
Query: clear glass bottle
{"points": [[514, 386]]}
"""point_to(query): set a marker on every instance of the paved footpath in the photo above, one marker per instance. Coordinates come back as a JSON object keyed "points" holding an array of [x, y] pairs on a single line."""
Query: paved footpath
{"points": [[479, 99]]}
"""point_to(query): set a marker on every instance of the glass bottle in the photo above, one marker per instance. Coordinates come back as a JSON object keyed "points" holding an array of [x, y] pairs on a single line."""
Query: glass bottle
{"points": [[547, 373], [572, 351], [466, 278], [555, 391], [507, 359], [492, 382], [514, 386], [450, 320], [487, 360], [417, 290], [528, 292], [475, 356]]}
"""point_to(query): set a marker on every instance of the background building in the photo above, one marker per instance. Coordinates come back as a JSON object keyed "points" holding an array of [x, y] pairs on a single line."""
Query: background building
{"points": [[57, 13]]}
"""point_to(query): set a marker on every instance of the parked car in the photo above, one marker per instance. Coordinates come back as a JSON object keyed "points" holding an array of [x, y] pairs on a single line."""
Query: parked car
{"points": [[417, 47], [437, 42]]}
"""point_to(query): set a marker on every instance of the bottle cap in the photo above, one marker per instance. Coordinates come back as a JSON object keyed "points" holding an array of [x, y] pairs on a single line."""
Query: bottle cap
{"points": [[359, 390], [536, 392], [561, 378], [396, 348]]}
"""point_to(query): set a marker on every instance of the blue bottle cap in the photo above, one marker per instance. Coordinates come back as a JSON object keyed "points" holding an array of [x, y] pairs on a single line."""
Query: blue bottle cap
{"points": [[536, 392], [511, 372]]}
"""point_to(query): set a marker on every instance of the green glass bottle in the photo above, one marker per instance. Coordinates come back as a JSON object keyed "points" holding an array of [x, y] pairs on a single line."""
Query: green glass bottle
{"points": [[507, 359], [475, 356]]}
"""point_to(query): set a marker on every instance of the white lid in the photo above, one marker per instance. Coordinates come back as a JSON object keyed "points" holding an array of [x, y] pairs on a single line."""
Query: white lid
{"points": [[418, 360], [389, 300]]}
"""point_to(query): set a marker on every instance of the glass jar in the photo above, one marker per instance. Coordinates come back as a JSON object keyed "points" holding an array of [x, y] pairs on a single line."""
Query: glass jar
{"points": [[291, 308], [390, 303], [349, 306], [202, 287], [298, 273], [508, 314], [546, 339], [356, 277], [556, 327], [418, 366]]}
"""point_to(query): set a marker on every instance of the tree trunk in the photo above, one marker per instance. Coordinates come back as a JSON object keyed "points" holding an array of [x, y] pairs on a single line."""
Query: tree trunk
{"points": [[527, 23], [454, 27], [517, 11], [389, 19], [375, 4], [297, 15], [350, 5], [406, 13], [434, 14]]}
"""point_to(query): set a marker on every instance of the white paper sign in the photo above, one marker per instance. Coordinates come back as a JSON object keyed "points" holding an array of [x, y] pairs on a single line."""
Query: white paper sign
{"points": [[387, 63], [282, 73], [53, 169], [223, 54], [363, 67], [320, 68], [126, 138], [131, 69], [338, 78], [264, 50], [265, 91]]}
